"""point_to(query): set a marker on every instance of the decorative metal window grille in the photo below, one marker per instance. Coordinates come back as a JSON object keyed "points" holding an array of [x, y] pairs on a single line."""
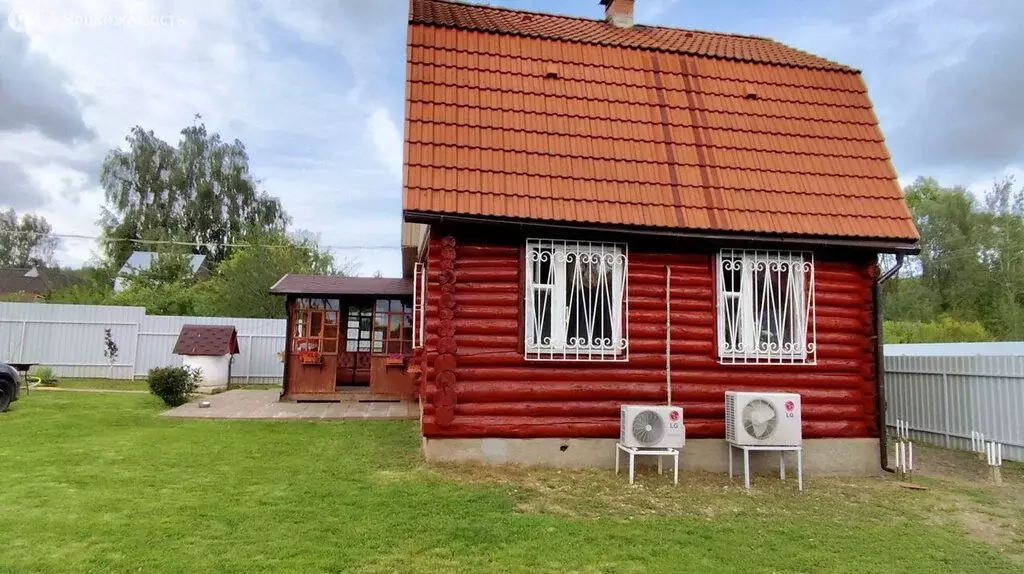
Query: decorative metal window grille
{"points": [[419, 304], [576, 308], [766, 307]]}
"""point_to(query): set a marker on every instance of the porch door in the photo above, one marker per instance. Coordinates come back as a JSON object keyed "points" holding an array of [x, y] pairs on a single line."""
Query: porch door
{"points": [[354, 360]]}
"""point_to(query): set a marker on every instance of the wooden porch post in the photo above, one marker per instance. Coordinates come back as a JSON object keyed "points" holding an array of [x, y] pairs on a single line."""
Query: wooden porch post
{"points": [[287, 343]]}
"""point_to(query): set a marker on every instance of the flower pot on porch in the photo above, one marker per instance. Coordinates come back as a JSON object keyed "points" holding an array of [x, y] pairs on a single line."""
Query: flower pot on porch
{"points": [[311, 358]]}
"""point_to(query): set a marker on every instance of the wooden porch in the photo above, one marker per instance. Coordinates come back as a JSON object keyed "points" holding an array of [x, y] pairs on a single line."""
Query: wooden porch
{"points": [[349, 338]]}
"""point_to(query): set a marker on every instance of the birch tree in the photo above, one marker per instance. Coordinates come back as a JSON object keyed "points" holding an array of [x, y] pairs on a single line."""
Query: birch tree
{"points": [[200, 192]]}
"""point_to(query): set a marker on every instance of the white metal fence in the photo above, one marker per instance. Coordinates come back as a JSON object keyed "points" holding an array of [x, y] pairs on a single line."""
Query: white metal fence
{"points": [[70, 338], [945, 398]]}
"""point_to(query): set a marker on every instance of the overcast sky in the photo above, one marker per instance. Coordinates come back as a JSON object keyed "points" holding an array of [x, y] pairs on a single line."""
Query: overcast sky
{"points": [[314, 88]]}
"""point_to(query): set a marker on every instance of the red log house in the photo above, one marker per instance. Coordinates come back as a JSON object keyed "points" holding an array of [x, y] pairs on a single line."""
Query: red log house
{"points": [[601, 212]]}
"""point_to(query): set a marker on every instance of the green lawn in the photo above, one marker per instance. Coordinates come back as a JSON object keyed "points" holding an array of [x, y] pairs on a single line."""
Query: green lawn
{"points": [[128, 385], [102, 384], [100, 483]]}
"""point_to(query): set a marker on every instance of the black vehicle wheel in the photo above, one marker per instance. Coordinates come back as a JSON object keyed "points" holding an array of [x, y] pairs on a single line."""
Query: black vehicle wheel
{"points": [[5, 395]]}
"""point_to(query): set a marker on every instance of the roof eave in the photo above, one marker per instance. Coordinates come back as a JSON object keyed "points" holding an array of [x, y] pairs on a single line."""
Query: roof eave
{"points": [[274, 287], [880, 245]]}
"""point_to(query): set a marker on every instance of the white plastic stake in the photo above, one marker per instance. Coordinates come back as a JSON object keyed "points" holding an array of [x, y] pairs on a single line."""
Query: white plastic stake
{"points": [[901, 458], [902, 429], [995, 461], [910, 464], [994, 452]]}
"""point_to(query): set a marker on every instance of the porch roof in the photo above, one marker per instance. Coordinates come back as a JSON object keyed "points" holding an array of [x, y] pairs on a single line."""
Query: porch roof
{"points": [[292, 284]]}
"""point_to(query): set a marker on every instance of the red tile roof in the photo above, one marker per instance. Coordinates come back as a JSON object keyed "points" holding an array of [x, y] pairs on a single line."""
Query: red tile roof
{"points": [[336, 285], [207, 340], [538, 117]]}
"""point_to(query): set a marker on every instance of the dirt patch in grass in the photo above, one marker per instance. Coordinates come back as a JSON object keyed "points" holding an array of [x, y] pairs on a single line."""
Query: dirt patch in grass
{"points": [[966, 496], [980, 527], [959, 496], [600, 493]]}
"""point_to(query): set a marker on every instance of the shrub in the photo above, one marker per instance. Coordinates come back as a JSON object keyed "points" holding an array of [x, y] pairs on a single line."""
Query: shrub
{"points": [[174, 385], [944, 329], [46, 376]]}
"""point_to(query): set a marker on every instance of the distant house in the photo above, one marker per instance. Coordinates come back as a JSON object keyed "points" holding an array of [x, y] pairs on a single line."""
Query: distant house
{"points": [[143, 260], [33, 283]]}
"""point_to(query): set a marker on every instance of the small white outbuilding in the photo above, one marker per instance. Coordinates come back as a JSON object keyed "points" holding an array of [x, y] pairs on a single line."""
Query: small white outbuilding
{"points": [[209, 348]]}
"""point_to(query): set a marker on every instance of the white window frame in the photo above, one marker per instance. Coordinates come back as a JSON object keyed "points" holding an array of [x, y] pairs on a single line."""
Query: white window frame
{"points": [[559, 346], [772, 309], [419, 304]]}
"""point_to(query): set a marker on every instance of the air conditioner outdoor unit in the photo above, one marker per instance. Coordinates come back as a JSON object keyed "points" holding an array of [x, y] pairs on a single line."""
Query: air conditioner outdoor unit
{"points": [[762, 419], [647, 426]]}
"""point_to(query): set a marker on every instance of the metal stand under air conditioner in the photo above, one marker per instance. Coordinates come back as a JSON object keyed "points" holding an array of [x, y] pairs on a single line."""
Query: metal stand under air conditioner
{"points": [[782, 461], [658, 452]]}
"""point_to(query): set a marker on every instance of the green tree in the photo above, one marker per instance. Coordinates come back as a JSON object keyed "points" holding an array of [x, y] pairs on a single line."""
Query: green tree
{"points": [[96, 287], [241, 286], [165, 268], [168, 286], [953, 238], [1004, 258], [25, 241], [200, 193], [174, 298], [971, 267], [908, 298]]}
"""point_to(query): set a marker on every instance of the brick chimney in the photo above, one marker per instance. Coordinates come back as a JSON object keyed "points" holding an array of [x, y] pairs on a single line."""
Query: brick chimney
{"points": [[618, 12]]}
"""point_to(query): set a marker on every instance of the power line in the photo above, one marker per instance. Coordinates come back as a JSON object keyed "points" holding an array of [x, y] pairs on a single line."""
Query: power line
{"points": [[189, 243]]}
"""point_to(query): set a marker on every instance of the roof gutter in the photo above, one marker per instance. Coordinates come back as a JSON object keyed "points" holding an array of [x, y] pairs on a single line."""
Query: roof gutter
{"points": [[883, 446], [880, 246]]}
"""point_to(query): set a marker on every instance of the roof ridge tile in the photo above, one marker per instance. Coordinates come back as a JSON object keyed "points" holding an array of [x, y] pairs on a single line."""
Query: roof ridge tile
{"points": [[509, 21]]}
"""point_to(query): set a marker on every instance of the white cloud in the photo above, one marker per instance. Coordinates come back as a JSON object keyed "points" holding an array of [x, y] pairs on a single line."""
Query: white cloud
{"points": [[648, 10], [387, 139], [983, 185], [292, 82]]}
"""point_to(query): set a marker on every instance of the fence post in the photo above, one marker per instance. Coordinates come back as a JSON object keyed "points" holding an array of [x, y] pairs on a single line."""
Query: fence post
{"points": [[135, 352], [945, 407], [248, 361], [21, 344]]}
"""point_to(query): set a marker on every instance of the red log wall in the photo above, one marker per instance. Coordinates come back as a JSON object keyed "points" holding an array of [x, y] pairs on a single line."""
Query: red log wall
{"points": [[476, 383]]}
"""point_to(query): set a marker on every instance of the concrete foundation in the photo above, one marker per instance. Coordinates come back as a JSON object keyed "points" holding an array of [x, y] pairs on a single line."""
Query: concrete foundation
{"points": [[822, 457]]}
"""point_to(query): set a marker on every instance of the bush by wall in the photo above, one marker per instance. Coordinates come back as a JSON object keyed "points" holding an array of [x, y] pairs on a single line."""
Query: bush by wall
{"points": [[174, 385], [46, 376]]}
